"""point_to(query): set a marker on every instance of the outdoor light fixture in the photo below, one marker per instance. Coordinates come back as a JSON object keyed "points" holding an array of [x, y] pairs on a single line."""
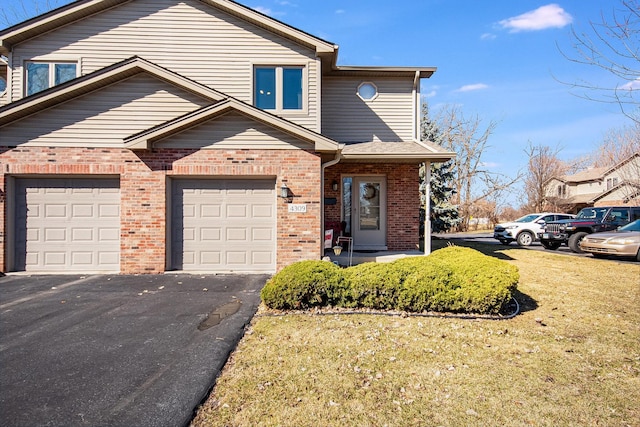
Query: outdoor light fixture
{"points": [[334, 185], [284, 191]]}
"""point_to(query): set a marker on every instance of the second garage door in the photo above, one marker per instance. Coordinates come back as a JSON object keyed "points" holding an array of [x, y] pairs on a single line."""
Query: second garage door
{"points": [[223, 225]]}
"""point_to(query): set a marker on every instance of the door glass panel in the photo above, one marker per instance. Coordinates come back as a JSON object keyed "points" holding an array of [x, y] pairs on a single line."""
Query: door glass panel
{"points": [[369, 206], [346, 204]]}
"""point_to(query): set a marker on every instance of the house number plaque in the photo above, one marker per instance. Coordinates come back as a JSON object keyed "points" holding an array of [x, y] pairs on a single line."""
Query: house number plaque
{"points": [[297, 208]]}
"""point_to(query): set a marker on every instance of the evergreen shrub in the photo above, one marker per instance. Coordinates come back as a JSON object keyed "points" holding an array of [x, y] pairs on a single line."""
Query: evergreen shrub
{"points": [[303, 285], [453, 279]]}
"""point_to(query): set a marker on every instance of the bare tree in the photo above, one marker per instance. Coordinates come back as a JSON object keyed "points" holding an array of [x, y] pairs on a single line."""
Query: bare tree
{"points": [[20, 10], [543, 164], [473, 182], [618, 145], [613, 45]]}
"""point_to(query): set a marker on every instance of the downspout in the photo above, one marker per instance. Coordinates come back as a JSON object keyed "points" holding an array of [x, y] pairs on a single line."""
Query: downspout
{"points": [[416, 106], [335, 160]]}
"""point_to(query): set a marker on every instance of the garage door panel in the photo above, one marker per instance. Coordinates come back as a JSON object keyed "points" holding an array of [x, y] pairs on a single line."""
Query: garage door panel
{"points": [[55, 235], [261, 211], [210, 211], [210, 234], [262, 234], [210, 258], [236, 211], [233, 221], [110, 211], [109, 234], [55, 211], [262, 258], [82, 258], [82, 211], [82, 234], [236, 234], [65, 224]]}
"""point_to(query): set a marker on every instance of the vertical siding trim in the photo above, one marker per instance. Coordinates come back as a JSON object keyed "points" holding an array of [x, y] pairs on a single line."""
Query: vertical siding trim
{"points": [[319, 95]]}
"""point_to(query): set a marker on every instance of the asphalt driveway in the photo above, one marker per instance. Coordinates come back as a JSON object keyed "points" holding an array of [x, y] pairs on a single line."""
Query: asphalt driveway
{"points": [[116, 350]]}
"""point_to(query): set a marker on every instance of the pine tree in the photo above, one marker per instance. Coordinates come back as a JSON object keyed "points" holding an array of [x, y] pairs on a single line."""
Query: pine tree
{"points": [[444, 215]]}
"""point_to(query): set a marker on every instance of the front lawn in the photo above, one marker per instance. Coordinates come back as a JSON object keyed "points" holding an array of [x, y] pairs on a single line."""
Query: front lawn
{"points": [[571, 358]]}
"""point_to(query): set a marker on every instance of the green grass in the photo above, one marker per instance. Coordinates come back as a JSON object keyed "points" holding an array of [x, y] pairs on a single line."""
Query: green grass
{"points": [[571, 358]]}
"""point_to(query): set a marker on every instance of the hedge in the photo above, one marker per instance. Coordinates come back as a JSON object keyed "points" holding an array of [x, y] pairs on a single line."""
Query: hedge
{"points": [[453, 279]]}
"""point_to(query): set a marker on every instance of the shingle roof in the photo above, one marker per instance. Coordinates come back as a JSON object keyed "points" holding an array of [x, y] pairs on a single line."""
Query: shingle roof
{"points": [[400, 151]]}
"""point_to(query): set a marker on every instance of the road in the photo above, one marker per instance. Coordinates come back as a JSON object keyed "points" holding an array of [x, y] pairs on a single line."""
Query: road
{"points": [[536, 246]]}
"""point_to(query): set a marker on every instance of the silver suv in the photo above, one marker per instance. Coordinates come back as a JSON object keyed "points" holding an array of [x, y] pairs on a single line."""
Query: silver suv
{"points": [[525, 230]]}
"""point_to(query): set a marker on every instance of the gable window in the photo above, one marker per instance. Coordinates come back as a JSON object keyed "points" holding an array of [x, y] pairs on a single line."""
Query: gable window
{"points": [[278, 88], [611, 182], [43, 75], [367, 91]]}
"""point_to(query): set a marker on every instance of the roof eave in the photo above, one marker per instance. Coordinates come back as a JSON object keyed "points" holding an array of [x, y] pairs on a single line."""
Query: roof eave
{"points": [[423, 72]]}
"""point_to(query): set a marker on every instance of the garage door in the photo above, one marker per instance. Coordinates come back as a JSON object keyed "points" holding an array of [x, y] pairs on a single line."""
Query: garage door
{"points": [[69, 225], [224, 225]]}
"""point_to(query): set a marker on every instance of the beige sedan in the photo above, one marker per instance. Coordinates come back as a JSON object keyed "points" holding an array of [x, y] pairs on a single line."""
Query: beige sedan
{"points": [[623, 242]]}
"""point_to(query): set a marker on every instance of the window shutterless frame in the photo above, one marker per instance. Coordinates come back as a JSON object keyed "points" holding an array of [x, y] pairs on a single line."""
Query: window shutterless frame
{"points": [[41, 75], [280, 88]]}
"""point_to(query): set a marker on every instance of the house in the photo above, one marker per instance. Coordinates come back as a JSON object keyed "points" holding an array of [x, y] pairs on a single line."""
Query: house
{"points": [[605, 186], [144, 136]]}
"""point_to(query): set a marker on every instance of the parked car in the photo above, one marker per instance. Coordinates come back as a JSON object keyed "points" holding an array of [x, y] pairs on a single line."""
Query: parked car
{"points": [[589, 220], [525, 230], [623, 242]]}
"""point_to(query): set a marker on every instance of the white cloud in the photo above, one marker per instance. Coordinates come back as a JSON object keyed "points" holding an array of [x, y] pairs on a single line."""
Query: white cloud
{"points": [[430, 94], [488, 36], [340, 11], [549, 16], [473, 87], [632, 85], [264, 10]]}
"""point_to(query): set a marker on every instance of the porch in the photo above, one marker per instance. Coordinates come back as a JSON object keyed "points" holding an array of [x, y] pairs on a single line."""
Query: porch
{"points": [[360, 257]]}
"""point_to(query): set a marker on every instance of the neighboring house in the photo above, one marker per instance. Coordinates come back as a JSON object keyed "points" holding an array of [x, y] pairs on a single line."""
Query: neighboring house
{"points": [[141, 136], [606, 186]]}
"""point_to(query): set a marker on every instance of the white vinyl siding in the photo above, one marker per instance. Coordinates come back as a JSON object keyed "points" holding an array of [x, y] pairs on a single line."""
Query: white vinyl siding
{"points": [[348, 118], [223, 225], [67, 225], [105, 117], [188, 37], [233, 131]]}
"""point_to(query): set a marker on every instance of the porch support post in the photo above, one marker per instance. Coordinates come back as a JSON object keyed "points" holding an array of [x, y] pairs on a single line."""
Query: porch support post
{"points": [[427, 207]]}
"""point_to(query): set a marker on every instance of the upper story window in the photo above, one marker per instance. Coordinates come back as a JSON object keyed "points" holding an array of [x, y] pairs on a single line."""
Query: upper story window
{"points": [[278, 88], [3, 74], [367, 91], [43, 75], [611, 182]]}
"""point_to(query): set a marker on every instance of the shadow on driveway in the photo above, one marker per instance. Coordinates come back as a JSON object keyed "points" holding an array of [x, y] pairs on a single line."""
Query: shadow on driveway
{"points": [[117, 350]]}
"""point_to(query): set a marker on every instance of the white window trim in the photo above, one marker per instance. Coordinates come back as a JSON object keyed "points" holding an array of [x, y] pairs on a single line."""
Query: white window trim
{"points": [[51, 62], [7, 77], [367, 99], [279, 84]]}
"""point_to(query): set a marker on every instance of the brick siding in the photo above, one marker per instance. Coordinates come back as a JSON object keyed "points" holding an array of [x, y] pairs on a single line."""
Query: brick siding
{"points": [[143, 185], [403, 199]]}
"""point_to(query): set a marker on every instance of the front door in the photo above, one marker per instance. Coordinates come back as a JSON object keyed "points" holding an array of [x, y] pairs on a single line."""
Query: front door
{"points": [[369, 225]]}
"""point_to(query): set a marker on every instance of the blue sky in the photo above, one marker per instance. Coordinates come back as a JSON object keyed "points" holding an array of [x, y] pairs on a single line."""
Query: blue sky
{"points": [[498, 59]]}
